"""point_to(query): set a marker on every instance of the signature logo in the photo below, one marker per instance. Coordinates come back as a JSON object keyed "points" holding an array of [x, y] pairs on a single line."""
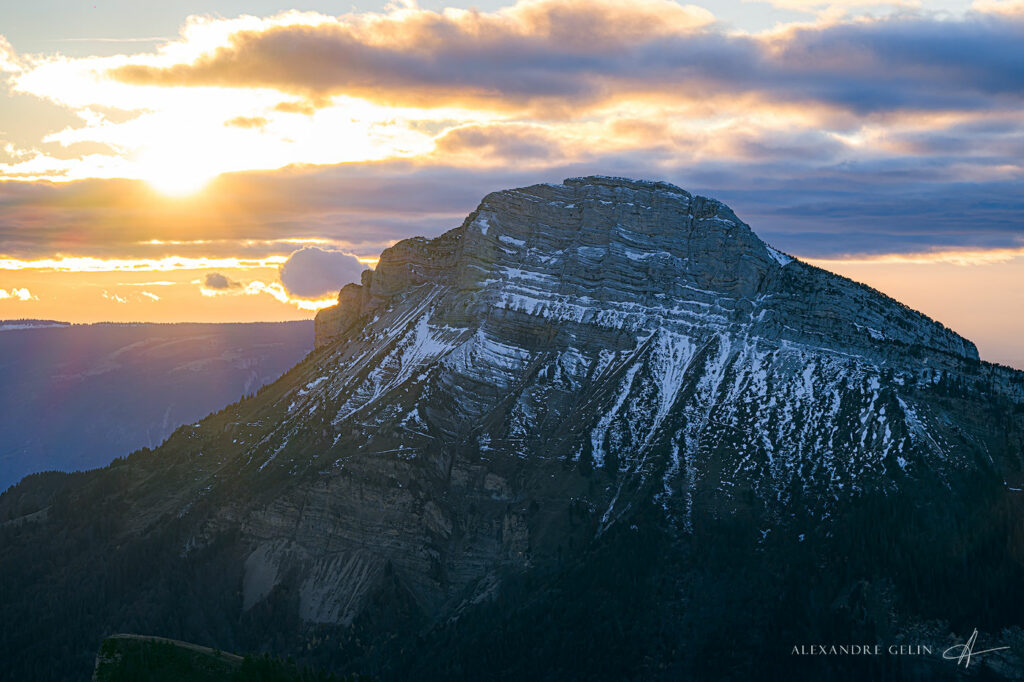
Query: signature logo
{"points": [[962, 653]]}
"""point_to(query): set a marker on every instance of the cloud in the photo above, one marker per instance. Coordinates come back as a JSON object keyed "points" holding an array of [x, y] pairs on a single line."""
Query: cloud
{"points": [[951, 257], [501, 143], [1010, 8], [215, 280], [312, 272], [278, 291], [247, 122], [833, 6], [907, 62], [21, 294], [275, 290], [545, 53], [9, 61], [296, 107], [418, 56], [543, 83], [810, 199], [93, 264], [357, 208], [896, 133]]}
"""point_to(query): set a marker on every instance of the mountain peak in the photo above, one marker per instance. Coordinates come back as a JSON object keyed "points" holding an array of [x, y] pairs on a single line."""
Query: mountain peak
{"points": [[628, 183], [674, 208], [636, 256]]}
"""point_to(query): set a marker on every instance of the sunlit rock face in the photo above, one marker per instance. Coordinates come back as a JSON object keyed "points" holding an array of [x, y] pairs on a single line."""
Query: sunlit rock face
{"points": [[574, 367]]}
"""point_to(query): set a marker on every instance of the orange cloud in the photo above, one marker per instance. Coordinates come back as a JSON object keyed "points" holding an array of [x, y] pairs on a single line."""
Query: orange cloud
{"points": [[247, 122], [275, 290], [92, 264], [1006, 8], [962, 257]]}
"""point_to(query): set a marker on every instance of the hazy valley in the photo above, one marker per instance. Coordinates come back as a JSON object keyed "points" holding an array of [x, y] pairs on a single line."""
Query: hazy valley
{"points": [[76, 396]]}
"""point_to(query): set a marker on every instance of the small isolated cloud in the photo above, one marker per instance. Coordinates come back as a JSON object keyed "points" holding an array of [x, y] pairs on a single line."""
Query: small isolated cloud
{"points": [[114, 297], [150, 295], [18, 295], [312, 272], [215, 280], [299, 106], [257, 122]]}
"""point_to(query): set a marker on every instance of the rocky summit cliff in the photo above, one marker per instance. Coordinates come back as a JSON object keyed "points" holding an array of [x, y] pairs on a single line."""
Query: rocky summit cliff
{"points": [[598, 431]]}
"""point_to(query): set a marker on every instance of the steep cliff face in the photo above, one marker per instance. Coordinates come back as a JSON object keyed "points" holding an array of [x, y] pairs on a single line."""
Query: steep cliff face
{"points": [[573, 364], [632, 254]]}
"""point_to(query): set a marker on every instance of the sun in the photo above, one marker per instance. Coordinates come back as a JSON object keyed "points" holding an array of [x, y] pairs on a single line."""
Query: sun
{"points": [[177, 182], [175, 171]]}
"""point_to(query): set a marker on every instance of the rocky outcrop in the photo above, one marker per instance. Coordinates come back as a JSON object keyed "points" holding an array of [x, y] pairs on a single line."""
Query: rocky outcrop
{"points": [[637, 253], [330, 323]]}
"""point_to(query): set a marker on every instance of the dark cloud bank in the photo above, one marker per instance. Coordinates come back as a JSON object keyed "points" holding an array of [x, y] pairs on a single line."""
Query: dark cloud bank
{"points": [[576, 53]]}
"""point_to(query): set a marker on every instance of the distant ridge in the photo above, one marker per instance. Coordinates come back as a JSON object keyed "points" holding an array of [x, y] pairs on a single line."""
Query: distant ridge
{"points": [[10, 325]]}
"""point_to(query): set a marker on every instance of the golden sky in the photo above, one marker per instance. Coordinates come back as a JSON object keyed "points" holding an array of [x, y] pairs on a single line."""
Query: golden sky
{"points": [[167, 170]]}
